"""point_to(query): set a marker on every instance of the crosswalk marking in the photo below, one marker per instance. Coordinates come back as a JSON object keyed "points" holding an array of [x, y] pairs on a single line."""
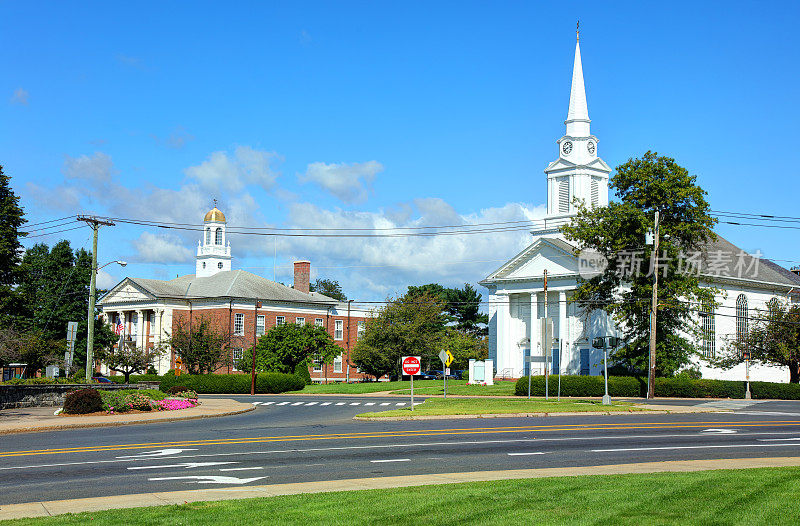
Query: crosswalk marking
{"points": [[312, 403], [355, 403], [298, 403], [339, 403], [325, 403], [307, 403], [385, 403], [284, 403], [370, 403], [400, 403], [268, 403]]}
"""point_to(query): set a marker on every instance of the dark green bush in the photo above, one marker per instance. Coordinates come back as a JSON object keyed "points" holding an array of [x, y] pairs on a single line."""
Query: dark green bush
{"points": [[302, 371], [134, 378], [83, 401], [234, 383], [580, 386]]}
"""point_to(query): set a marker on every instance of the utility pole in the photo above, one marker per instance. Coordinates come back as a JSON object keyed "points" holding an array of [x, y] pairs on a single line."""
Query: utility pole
{"points": [[651, 376], [544, 340], [347, 370], [95, 224]]}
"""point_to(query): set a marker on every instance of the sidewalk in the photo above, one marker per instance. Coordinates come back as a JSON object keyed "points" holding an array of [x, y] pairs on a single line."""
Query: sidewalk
{"points": [[33, 419], [57, 507]]}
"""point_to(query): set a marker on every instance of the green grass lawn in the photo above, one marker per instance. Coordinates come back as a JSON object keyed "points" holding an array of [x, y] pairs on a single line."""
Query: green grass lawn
{"points": [[373, 387], [752, 496], [478, 406], [460, 387]]}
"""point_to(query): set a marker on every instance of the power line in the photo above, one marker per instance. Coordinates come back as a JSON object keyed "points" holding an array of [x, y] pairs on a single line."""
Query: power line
{"points": [[56, 232]]}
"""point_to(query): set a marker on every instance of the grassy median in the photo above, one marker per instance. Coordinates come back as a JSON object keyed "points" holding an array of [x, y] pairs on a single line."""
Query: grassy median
{"points": [[486, 406], [750, 496]]}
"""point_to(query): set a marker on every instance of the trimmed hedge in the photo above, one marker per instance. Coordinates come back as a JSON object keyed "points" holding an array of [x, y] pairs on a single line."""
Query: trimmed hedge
{"points": [[120, 379], [234, 383], [628, 386], [83, 401]]}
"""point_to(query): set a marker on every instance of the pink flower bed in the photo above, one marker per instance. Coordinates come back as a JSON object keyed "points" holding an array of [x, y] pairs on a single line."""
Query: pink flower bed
{"points": [[174, 405]]}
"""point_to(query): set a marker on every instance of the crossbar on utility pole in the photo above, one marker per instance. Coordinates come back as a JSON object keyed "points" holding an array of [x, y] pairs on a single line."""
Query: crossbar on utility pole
{"points": [[95, 223], [651, 376]]}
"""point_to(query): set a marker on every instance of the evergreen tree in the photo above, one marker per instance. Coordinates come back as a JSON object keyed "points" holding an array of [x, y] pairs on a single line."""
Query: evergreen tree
{"points": [[11, 220]]}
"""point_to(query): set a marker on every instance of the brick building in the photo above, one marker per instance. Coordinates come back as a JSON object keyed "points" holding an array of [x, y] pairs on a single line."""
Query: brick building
{"points": [[240, 304]]}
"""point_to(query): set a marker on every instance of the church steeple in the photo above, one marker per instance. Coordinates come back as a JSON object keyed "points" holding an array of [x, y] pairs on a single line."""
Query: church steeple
{"points": [[578, 115], [213, 254]]}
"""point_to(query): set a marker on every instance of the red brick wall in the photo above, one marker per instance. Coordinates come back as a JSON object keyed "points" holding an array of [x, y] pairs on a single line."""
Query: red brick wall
{"points": [[221, 317]]}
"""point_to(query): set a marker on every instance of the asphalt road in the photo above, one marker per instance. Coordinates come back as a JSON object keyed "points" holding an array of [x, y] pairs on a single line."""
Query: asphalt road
{"points": [[310, 438]]}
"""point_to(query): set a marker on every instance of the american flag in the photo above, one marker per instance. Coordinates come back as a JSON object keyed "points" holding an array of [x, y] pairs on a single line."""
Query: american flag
{"points": [[119, 328]]}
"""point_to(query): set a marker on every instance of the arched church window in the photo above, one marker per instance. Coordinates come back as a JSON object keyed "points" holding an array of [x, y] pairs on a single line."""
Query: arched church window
{"points": [[742, 315], [563, 196], [709, 331], [218, 237], [208, 235]]}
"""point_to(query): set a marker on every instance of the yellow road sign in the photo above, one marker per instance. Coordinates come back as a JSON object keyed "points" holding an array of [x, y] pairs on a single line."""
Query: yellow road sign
{"points": [[450, 359]]}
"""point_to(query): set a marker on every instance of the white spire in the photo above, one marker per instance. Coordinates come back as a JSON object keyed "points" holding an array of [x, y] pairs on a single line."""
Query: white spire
{"points": [[578, 115]]}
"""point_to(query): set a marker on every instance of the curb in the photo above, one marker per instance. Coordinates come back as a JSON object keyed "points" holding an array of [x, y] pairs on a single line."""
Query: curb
{"points": [[83, 425], [59, 507], [533, 415]]}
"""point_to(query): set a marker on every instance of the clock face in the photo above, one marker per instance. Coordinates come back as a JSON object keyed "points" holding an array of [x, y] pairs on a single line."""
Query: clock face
{"points": [[566, 147], [590, 147]]}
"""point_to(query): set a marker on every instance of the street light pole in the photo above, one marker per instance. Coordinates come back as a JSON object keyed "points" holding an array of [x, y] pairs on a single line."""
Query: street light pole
{"points": [[651, 376]]}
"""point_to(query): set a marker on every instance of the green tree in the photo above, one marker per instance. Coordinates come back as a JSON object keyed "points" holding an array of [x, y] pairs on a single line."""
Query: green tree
{"points": [[464, 347], [30, 348], [410, 325], [287, 347], [462, 306], [128, 360], [11, 220], [328, 287], [201, 345], [642, 186], [772, 339]]}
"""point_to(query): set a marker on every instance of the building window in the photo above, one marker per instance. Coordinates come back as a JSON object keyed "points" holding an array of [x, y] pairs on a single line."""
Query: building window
{"points": [[709, 332], [238, 324], [742, 316], [563, 195], [218, 237], [319, 322], [317, 365], [260, 323], [280, 320], [219, 265], [338, 333], [337, 364], [237, 355], [361, 328], [773, 305], [208, 236], [595, 192], [300, 321]]}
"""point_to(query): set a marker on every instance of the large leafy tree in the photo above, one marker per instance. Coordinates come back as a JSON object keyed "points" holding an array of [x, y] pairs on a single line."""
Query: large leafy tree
{"points": [[772, 339], [11, 221], [410, 325], [286, 347], [328, 287], [201, 344], [460, 305], [28, 347], [642, 186], [129, 359]]}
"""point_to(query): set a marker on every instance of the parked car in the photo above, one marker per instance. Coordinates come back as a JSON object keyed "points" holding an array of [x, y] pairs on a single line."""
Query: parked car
{"points": [[431, 375], [101, 380]]}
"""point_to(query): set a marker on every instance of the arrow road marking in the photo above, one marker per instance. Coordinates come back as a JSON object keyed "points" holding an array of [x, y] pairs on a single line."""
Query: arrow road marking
{"points": [[186, 465], [210, 479], [157, 453]]}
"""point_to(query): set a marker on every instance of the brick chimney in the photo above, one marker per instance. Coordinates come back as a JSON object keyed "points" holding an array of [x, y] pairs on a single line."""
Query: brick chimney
{"points": [[302, 275]]}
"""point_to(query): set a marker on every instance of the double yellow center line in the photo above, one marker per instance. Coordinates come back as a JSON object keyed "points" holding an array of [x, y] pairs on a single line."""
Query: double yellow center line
{"points": [[410, 433]]}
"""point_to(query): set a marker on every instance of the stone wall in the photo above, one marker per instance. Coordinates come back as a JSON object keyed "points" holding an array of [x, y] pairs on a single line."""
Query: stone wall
{"points": [[49, 395]]}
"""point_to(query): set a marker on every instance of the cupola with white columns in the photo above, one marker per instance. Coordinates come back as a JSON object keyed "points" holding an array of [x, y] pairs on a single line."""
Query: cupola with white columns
{"points": [[213, 250], [578, 172]]}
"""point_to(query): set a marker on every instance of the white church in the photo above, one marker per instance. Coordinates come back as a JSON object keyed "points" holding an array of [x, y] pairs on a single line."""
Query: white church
{"points": [[517, 301]]}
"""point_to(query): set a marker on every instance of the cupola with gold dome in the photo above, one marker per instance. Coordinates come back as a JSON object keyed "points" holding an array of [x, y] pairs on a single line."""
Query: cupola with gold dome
{"points": [[213, 252]]}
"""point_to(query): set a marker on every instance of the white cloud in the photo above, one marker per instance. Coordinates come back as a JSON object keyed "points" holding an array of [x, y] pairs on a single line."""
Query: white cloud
{"points": [[233, 172], [176, 140], [97, 168], [349, 182], [20, 97], [105, 280], [161, 248]]}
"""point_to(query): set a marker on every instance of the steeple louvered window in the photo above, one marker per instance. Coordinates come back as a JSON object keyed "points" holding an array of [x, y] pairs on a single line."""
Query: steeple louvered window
{"points": [[595, 192], [218, 237], [563, 196]]}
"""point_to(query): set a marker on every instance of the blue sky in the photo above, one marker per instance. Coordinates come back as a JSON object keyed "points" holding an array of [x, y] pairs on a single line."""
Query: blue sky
{"points": [[375, 114]]}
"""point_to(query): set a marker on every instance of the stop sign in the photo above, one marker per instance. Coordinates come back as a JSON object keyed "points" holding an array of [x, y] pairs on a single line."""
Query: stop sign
{"points": [[411, 365]]}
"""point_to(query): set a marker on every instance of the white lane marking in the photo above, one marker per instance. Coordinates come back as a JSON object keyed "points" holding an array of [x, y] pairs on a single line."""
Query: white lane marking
{"points": [[240, 469], [298, 403], [400, 403], [312, 403], [779, 413], [268, 403], [385, 403], [284, 403], [775, 439], [186, 465], [391, 460], [355, 403], [666, 448], [417, 403], [339, 403], [157, 453], [256, 403], [325, 403], [211, 479], [370, 403], [526, 453], [719, 431]]}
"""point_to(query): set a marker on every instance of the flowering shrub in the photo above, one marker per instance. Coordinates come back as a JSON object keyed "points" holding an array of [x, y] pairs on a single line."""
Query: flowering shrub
{"points": [[187, 393], [139, 401], [172, 404]]}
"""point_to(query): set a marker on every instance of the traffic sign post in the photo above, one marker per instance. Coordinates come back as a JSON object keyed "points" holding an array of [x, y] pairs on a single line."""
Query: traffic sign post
{"points": [[178, 363], [447, 358], [411, 366], [72, 331], [747, 395], [602, 342], [547, 345]]}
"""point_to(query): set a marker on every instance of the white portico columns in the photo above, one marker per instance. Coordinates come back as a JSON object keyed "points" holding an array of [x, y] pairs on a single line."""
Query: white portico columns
{"points": [[534, 333], [562, 329], [504, 342], [140, 330]]}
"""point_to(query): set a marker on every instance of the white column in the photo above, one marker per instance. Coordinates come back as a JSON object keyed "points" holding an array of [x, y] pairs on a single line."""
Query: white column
{"points": [[534, 328], [502, 331], [139, 328], [562, 326]]}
